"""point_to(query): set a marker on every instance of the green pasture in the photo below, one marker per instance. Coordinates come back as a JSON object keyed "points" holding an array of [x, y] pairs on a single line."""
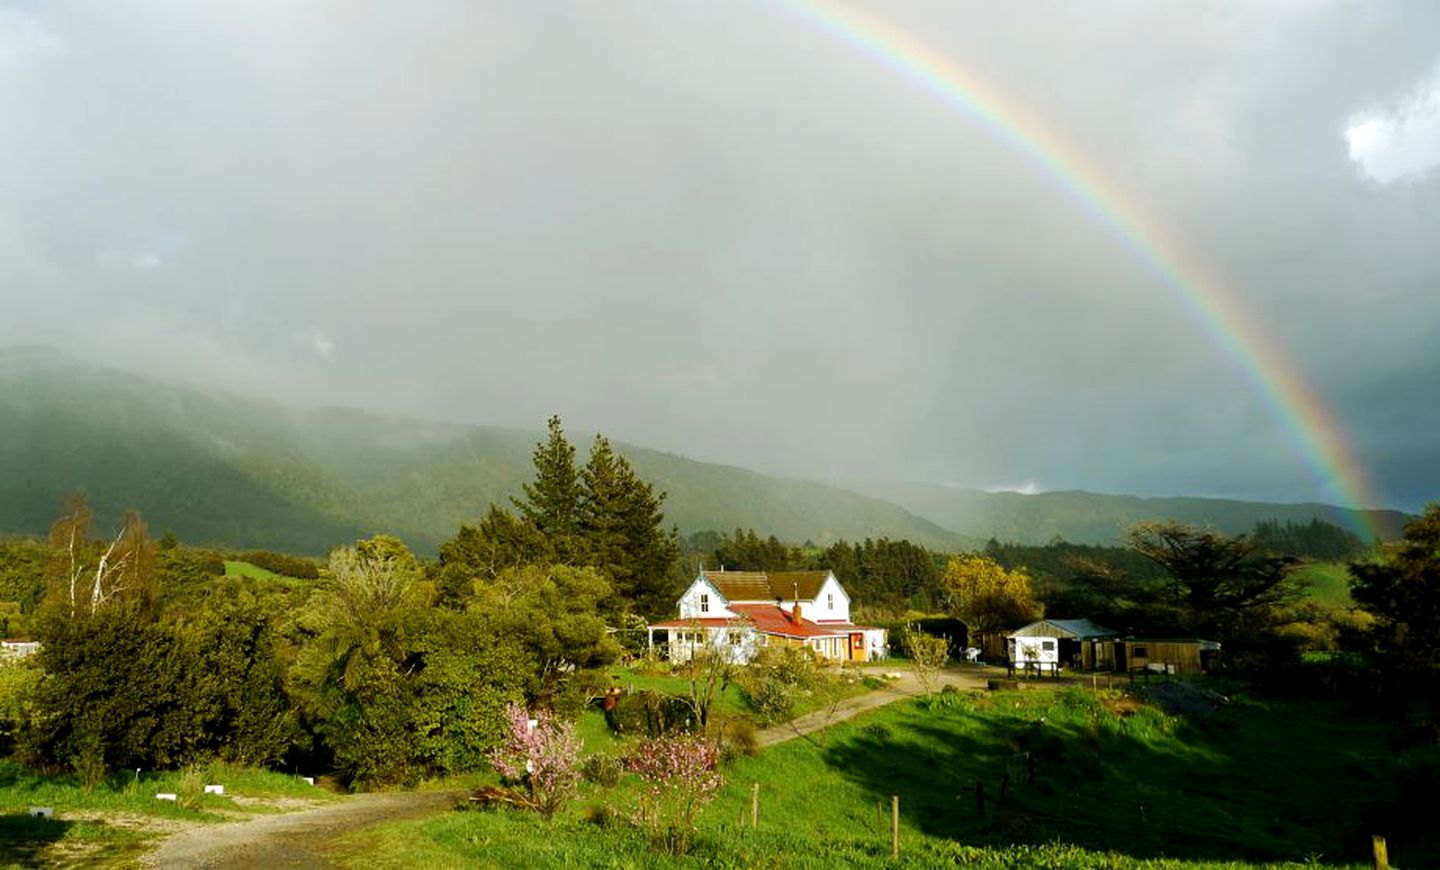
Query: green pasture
{"points": [[1327, 584], [1115, 784], [236, 568]]}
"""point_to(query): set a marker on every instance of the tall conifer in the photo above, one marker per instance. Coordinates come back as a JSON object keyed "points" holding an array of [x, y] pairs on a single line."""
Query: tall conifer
{"points": [[620, 521], [552, 501]]}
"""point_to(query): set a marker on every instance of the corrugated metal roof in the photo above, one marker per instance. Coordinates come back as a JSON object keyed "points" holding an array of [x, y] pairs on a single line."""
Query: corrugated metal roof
{"points": [[1067, 628]]}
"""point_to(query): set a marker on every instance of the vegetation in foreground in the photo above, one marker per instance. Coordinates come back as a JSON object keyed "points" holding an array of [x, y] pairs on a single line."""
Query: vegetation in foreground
{"points": [[119, 817], [1117, 783]]}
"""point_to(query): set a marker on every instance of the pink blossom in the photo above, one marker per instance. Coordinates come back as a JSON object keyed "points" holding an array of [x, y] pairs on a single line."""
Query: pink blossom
{"points": [[546, 756]]}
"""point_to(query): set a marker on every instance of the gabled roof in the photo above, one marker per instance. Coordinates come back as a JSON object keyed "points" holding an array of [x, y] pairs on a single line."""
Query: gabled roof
{"points": [[767, 586], [1077, 629]]}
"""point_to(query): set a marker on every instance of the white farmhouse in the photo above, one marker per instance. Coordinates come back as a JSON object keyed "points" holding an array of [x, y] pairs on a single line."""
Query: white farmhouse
{"points": [[738, 612]]}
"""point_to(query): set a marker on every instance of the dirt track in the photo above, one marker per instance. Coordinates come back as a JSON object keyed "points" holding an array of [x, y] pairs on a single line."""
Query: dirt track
{"points": [[897, 690], [298, 839]]}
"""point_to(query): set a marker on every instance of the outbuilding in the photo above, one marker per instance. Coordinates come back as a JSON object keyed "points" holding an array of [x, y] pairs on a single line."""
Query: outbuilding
{"points": [[1053, 644]]}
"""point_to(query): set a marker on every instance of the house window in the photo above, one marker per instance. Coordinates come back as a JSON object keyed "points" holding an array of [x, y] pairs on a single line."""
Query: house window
{"points": [[704, 603], [830, 601], [1140, 652], [1047, 645]]}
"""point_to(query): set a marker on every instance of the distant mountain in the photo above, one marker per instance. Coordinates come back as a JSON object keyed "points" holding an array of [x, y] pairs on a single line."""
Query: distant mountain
{"points": [[218, 468], [1093, 518]]}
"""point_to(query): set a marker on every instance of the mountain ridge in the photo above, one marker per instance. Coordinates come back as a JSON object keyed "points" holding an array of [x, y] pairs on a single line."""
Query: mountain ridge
{"points": [[220, 468]]}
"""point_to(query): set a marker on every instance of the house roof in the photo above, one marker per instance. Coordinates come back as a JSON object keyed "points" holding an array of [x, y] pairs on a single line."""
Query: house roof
{"points": [[767, 585], [1067, 628], [767, 619]]}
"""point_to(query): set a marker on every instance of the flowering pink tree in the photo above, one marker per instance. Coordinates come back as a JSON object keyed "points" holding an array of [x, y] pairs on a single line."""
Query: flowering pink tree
{"points": [[542, 752], [681, 775]]}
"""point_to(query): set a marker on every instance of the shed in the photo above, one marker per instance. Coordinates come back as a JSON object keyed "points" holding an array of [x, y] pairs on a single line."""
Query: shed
{"points": [[1171, 655], [1056, 643]]}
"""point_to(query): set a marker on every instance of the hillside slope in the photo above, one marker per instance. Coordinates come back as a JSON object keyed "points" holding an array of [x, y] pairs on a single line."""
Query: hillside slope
{"points": [[224, 469], [1094, 518]]}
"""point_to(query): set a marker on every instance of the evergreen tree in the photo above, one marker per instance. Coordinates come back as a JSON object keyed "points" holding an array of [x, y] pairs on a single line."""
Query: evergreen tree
{"points": [[552, 502], [620, 523], [1402, 591]]}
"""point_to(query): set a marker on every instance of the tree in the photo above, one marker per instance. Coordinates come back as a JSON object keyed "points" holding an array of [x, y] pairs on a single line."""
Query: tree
{"points": [[680, 775], [622, 529], [1403, 593], [500, 541], [552, 502], [546, 756], [1216, 585], [552, 612], [91, 575], [927, 655], [986, 596]]}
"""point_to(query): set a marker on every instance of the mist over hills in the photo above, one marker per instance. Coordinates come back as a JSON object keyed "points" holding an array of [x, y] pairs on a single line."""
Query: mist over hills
{"points": [[1095, 518], [226, 469], [218, 468]]}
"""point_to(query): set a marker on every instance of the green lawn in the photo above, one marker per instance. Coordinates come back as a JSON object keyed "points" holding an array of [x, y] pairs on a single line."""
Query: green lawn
{"points": [[236, 568], [1115, 786], [1329, 584], [108, 823]]}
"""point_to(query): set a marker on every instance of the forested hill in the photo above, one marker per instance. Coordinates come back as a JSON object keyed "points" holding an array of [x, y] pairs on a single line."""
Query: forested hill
{"points": [[1094, 518], [222, 469]]}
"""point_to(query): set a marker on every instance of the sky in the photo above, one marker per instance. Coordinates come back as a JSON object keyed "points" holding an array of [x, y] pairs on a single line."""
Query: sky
{"points": [[728, 231]]}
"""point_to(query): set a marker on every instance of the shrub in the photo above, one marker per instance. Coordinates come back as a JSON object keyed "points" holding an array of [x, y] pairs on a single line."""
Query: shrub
{"points": [[602, 770], [651, 714], [739, 739], [772, 699], [681, 775], [546, 757]]}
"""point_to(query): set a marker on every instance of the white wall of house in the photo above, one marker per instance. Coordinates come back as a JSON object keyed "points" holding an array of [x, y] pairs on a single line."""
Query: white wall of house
{"points": [[1041, 650], [832, 603], [703, 601], [737, 644], [875, 647]]}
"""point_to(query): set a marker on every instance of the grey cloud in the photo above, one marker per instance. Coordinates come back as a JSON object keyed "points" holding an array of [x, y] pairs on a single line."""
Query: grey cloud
{"points": [[715, 229]]}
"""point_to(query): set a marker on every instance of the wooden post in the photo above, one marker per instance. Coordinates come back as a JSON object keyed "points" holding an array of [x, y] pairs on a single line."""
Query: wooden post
{"points": [[980, 797], [755, 805], [1094, 682], [1382, 853], [895, 826]]}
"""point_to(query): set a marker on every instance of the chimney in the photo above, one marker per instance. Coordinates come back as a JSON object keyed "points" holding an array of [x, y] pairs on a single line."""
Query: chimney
{"points": [[795, 611]]}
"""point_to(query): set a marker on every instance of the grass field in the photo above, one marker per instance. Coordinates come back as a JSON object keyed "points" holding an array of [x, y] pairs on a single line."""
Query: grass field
{"points": [[118, 819], [1116, 785], [236, 568], [1328, 582]]}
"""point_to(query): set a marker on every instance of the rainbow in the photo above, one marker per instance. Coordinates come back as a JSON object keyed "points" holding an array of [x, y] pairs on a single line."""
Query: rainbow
{"points": [[1308, 423]]}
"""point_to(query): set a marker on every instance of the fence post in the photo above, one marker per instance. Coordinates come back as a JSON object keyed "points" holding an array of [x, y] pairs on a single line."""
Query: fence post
{"points": [[755, 805], [895, 826], [1382, 853]]}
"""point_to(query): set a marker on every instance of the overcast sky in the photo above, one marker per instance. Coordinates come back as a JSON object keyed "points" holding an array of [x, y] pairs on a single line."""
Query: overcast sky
{"points": [[718, 229]]}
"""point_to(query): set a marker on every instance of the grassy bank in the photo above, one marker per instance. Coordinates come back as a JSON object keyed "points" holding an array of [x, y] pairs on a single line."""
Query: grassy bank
{"points": [[1116, 784], [119, 818]]}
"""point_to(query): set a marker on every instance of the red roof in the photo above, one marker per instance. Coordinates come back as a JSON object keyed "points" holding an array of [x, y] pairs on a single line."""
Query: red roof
{"points": [[707, 622], [767, 619]]}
